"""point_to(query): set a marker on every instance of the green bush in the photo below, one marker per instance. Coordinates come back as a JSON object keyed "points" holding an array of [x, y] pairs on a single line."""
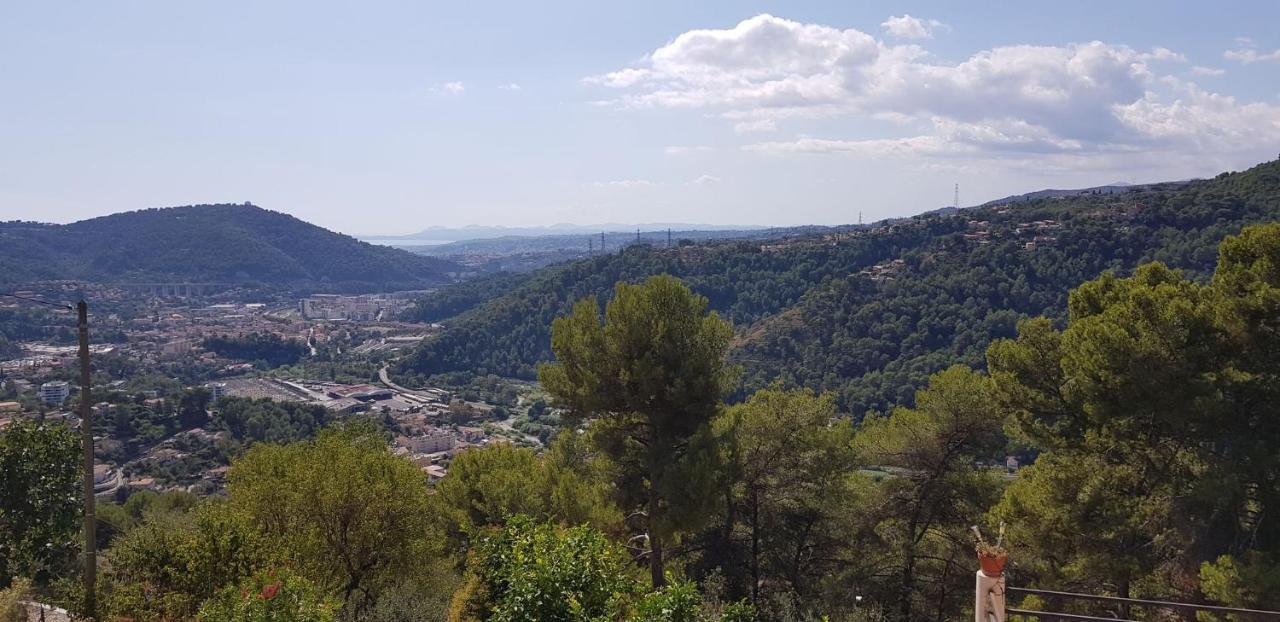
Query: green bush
{"points": [[270, 597], [540, 571]]}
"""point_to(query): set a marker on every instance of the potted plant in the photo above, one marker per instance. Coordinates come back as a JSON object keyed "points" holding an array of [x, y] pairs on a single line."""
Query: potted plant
{"points": [[991, 556]]}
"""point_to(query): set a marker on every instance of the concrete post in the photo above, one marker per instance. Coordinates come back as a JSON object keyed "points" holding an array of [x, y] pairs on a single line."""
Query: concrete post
{"points": [[988, 601]]}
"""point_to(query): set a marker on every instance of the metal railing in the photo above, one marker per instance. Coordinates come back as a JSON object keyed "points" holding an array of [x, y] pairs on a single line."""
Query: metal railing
{"points": [[1247, 614], [1048, 615]]}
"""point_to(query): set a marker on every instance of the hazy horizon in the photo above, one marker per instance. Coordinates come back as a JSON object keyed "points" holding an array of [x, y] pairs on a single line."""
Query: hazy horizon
{"points": [[391, 117]]}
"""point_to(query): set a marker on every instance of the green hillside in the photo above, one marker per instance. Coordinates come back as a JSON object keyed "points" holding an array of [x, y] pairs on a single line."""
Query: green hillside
{"points": [[510, 332], [870, 314], [208, 243]]}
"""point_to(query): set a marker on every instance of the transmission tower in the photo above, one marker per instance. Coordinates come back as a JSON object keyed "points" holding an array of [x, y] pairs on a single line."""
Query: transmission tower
{"points": [[957, 199]]}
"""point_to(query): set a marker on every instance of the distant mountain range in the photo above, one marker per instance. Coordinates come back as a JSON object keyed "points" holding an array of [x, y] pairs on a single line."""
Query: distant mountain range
{"points": [[239, 244], [517, 253], [245, 244], [484, 232]]}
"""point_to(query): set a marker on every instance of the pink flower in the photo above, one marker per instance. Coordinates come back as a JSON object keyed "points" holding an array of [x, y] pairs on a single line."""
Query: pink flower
{"points": [[269, 591]]}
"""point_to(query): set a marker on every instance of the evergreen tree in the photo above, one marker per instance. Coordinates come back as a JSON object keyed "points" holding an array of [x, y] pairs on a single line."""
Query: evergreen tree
{"points": [[648, 380]]}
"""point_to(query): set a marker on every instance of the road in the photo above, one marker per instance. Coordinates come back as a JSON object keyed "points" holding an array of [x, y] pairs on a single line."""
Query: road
{"points": [[504, 424], [386, 379]]}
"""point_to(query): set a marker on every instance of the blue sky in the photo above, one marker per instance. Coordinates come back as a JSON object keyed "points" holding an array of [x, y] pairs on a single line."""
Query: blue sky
{"points": [[388, 117]]}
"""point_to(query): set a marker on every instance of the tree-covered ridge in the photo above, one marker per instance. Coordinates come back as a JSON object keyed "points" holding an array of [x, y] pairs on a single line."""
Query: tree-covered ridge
{"points": [[461, 297], [207, 243], [744, 281], [871, 314], [875, 337]]}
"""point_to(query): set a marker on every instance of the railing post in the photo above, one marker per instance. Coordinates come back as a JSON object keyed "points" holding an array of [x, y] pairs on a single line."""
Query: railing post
{"points": [[988, 599]]}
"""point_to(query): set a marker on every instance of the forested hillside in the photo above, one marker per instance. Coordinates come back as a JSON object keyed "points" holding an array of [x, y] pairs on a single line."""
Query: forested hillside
{"points": [[875, 338], [870, 314], [211, 244], [508, 334], [457, 298]]}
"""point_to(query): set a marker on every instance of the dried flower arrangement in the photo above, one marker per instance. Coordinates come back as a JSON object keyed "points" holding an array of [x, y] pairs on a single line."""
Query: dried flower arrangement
{"points": [[991, 555]]}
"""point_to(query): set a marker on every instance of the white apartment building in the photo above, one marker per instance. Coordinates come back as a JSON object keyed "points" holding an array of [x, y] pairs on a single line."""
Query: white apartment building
{"points": [[356, 308], [217, 390], [426, 444], [55, 393]]}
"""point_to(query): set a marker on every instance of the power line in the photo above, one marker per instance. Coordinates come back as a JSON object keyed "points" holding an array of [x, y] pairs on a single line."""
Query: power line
{"points": [[43, 302]]}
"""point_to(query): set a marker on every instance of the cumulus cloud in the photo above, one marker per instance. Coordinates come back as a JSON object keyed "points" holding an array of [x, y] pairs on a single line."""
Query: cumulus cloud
{"points": [[908, 27], [704, 180], [1078, 100], [509, 87]]}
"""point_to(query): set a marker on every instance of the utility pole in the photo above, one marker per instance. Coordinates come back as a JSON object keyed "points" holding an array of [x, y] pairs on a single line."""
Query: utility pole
{"points": [[86, 440], [637, 235], [591, 246], [86, 436], [601, 242], [668, 237]]}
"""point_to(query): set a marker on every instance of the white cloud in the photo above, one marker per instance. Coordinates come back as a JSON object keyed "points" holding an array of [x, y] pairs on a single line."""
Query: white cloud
{"points": [[1249, 56], [1012, 102], [704, 180], [1163, 54], [509, 87], [755, 125], [679, 150], [1247, 53], [1200, 119], [624, 184], [908, 27], [449, 88], [911, 146], [1201, 70]]}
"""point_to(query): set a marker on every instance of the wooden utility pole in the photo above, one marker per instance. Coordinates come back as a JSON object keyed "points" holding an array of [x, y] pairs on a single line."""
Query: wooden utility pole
{"points": [[86, 440]]}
